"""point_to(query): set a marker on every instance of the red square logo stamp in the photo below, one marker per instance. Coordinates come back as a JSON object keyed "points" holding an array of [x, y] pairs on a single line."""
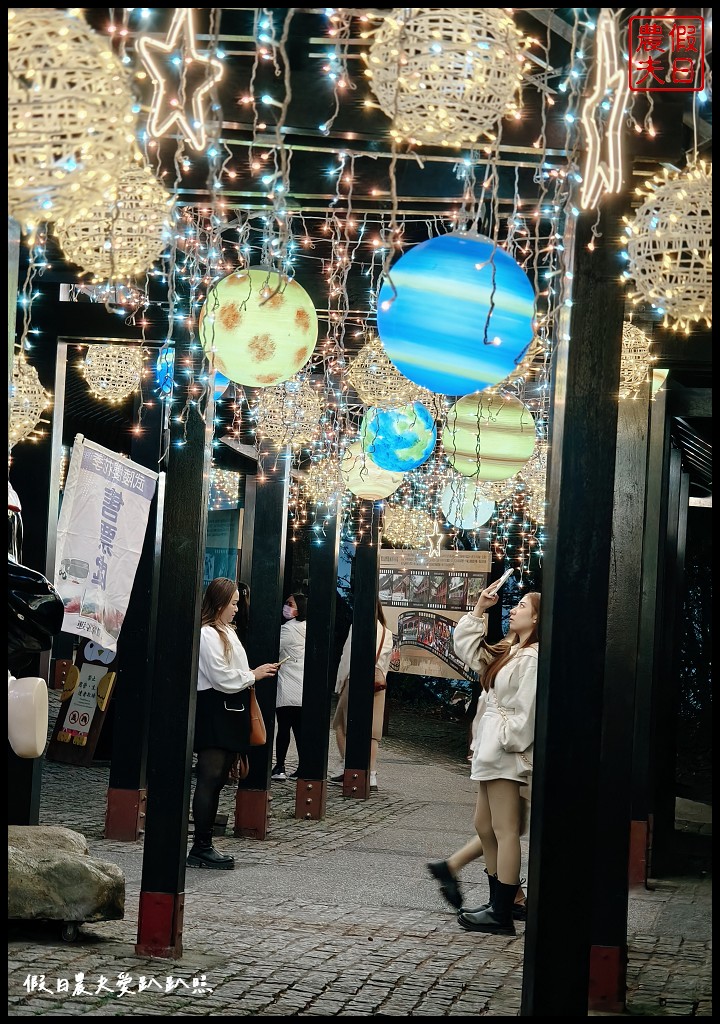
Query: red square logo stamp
{"points": [[666, 53]]}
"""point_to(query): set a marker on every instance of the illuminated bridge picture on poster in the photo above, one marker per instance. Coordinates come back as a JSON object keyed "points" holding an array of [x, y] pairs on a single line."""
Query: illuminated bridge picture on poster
{"points": [[423, 598]]}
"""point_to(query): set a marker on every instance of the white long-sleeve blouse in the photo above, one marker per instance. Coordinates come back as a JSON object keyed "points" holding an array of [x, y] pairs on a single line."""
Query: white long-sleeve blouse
{"points": [[503, 740], [215, 672], [383, 660]]}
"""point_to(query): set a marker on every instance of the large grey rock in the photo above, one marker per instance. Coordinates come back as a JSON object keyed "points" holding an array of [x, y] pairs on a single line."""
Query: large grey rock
{"points": [[52, 877]]}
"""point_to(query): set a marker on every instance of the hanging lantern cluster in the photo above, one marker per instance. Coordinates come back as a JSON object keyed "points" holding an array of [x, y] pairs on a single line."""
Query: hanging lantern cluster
{"points": [[122, 238], [113, 372], [407, 527], [669, 247], [288, 414], [635, 361], [28, 400], [445, 78], [534, 476], [70, 122]]}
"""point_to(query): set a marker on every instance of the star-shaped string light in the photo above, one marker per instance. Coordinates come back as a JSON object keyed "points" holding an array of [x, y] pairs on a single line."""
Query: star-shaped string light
{"points": [[165, 110], [435, 539], [603, 176]]}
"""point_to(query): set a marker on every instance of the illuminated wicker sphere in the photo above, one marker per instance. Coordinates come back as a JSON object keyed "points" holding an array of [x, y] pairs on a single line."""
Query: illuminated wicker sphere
{"points": [[323, 484], [444, 77], [407, 527], [70, 124], [670, 247], [288, 414], [635, 361], [113, 371], [377, 382], [28, 400], [124, 237], [534, 472]]}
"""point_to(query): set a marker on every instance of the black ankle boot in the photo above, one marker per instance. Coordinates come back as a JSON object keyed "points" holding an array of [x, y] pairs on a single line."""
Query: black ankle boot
{"points": [[492, 884], [449, 886], [497, 919], [519, 910], [204, 855]]}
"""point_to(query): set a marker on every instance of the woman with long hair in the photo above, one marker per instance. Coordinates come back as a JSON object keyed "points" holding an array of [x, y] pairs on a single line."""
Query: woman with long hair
{"points": [[383, 652], [222, 713], [290, 682], [502, 748]]}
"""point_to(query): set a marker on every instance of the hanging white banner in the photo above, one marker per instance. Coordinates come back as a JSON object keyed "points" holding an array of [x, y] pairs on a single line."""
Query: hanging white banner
{"points": [[101, 529]]}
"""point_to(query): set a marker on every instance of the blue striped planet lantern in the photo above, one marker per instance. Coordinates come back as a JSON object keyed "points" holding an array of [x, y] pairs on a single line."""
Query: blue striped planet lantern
{"points": [[462, 317], [398, 439]]}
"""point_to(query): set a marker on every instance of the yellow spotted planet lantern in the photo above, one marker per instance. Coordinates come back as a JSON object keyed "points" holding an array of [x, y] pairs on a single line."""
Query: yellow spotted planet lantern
{"points": [[489, 436], [261, 326]]}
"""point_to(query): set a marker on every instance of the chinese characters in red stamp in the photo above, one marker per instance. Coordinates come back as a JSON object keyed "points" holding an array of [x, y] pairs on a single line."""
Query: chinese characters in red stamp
{"points": [[666, 53]]}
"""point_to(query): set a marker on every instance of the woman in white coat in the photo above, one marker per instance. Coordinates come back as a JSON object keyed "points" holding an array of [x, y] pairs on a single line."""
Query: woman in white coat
{"points": [[503, 747], [290, 682], [383, 652]]}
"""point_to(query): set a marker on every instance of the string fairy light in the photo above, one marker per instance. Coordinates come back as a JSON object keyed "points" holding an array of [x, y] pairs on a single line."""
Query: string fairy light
{"points": [[635, 362]]}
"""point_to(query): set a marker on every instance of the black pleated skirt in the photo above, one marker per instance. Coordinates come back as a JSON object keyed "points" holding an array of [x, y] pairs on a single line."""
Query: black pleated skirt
{"points": [[222, 721]]}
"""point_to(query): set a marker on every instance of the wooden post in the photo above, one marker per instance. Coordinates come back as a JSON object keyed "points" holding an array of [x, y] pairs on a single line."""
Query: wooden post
{"points": [[571, 664], [318, 677], [362, 660], [127, 794], [608, 957], [263, 644], [175, 669]]}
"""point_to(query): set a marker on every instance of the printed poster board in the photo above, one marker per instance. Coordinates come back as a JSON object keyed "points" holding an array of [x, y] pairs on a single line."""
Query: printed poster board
{"points": [[423, 597]]}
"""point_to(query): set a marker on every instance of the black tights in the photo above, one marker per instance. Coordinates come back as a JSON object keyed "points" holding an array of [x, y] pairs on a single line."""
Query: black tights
{"points": [[287, 718], [212, 772]]}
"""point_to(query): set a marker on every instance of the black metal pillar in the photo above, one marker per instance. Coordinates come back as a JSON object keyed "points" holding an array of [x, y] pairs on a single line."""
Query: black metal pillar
{"points": [[356, 781], [127, 794], [608, 963], [175, 667], [573, 627], [318, 678], [263, 644]]}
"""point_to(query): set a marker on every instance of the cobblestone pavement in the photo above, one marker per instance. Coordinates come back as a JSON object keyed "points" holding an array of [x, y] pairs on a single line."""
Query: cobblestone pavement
{"points": [[333, 918]]}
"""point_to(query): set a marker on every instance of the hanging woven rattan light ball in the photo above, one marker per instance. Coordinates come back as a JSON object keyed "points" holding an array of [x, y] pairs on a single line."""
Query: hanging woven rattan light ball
{"points": [[669, 246], [113, 371], [635, 362], [28, 400], [446, 78], [70, 122], [288, 414]]}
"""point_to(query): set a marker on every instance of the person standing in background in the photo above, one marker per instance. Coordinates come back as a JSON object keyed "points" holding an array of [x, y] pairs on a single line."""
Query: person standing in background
{"points": [[383, 653], [290, 682]]}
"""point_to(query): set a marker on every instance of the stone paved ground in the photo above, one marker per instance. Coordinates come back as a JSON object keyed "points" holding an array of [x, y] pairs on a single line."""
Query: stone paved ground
{"points": [[334, 918]]}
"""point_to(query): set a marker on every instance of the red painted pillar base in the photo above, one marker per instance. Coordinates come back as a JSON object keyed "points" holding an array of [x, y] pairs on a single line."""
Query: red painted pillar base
{"points": [[311, 799], [638, 856], [251, 813], [160, 924], [356, 783], [125, 814], [608, 978]]}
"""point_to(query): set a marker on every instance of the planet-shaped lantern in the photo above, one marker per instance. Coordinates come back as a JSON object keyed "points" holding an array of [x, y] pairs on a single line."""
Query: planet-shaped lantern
{"points": [[489, 436], [466, 504], [364, 478], [398, 439], [462, 316], [261, 326], [165, 374]]}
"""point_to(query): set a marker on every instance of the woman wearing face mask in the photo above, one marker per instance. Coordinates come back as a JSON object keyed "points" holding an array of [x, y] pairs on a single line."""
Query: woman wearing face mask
{"points": [[290, 682]]}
